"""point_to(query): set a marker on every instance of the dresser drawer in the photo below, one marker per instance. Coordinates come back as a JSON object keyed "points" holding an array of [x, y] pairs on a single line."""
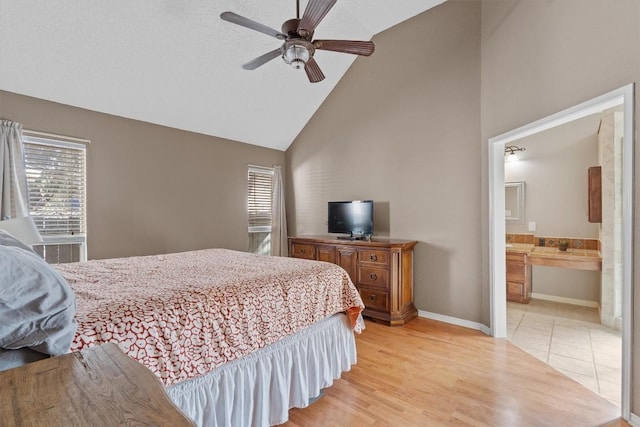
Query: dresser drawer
{"points": [[371, 276], [374, 256], [326, 253], [374, 299], [301, 250]]}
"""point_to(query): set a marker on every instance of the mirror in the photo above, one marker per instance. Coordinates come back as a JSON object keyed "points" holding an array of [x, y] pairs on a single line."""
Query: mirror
{"points": [[514, 202]]}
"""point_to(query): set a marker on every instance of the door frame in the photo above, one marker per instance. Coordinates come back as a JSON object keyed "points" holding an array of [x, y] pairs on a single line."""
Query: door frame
{"points": [[497, 291]]}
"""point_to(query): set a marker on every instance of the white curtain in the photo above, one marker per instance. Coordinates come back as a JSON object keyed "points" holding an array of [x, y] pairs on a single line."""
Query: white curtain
{"points": [[279, 242], [13, 177]]}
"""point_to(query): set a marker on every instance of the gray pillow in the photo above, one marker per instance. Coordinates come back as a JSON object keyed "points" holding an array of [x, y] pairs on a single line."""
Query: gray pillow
{"points": [[6, 239], [37, 305]]}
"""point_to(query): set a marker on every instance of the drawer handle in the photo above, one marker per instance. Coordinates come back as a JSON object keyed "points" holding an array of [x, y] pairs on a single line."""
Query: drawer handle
{"points": [[373, 297], [303, 251], [373, 257], [373, 276]]}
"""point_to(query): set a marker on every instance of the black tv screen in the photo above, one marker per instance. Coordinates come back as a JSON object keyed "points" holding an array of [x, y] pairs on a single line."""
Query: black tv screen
{"points": [[354, 217]]}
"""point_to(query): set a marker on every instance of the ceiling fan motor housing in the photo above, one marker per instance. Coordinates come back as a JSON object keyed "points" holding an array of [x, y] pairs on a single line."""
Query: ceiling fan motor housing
{"points": [[290, 28]]}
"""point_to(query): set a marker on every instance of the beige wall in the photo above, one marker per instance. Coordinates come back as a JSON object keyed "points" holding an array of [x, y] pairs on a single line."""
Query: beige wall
{"points": [[152, 189], [402, 128]]}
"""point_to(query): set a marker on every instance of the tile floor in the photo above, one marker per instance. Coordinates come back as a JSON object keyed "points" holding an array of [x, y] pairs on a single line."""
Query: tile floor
{"points": [[570, 339]]}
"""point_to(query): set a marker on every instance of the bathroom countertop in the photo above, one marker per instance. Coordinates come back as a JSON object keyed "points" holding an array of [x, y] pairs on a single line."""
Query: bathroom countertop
{"points": [[520, 248]]}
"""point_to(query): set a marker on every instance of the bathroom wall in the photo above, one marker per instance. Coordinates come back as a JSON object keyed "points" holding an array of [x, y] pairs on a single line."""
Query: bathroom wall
{"points": [[554, 169]]}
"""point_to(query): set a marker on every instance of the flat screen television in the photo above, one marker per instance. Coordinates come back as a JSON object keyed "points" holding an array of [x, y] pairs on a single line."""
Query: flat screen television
{"points": [[354, 217]]}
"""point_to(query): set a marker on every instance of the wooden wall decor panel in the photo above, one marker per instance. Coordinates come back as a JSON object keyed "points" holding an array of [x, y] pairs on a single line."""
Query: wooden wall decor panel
{"points": [[595, 194]]}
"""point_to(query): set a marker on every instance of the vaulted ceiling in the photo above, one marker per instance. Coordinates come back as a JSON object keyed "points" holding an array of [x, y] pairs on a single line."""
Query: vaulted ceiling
{"points": [[176, 63]]}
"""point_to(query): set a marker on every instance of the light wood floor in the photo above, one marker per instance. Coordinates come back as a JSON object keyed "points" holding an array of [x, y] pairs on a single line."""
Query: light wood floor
{"points": [[430, 373]]}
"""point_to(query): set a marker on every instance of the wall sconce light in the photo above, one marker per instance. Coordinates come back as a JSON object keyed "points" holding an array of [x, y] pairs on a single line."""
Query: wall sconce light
{"points": [[510, 152]]}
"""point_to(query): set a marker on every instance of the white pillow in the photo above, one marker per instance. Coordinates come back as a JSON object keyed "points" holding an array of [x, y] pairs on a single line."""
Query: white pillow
{"points": [[37, 305], [7, 239]]}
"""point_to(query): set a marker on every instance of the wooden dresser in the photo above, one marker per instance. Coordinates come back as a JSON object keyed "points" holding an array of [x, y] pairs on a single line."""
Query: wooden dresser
{"points": [[381, 269], [98, 386]]}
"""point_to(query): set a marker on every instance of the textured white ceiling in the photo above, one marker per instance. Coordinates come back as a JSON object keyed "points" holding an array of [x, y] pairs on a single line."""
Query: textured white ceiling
{"points": [[176, 63]]}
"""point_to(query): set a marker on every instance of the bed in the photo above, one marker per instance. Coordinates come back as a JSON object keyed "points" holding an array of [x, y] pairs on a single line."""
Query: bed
{"points": [[236, 338]]}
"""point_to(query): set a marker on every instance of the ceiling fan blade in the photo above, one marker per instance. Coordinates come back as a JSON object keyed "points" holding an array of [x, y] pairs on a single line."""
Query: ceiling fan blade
{"points": [[313, 14], [346, 46], [234, 18], [313, 71], [262, 59]]}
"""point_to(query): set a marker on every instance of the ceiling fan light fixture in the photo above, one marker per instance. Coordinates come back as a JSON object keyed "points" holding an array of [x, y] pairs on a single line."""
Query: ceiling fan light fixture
{"points": [[296, 53]]}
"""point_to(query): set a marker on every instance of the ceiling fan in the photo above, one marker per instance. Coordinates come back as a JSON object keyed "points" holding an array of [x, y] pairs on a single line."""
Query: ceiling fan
{"points": [[298, 47]]}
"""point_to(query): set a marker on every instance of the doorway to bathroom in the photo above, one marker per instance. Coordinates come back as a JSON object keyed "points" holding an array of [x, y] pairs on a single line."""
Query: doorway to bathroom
{"points": [[558, 315], [553, 309]]}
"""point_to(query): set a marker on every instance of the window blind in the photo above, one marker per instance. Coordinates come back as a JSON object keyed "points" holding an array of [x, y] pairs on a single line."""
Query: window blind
{"points": [[259, 199], [56, 176]]}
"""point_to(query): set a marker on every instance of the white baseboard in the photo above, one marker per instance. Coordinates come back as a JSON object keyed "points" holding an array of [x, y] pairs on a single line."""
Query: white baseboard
{"points": [[634, 420], [455, 321], [582, 302]]}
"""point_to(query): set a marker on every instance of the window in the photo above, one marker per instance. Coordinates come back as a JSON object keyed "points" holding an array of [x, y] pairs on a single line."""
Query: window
{"points": [[56, 177], [259, 205]]}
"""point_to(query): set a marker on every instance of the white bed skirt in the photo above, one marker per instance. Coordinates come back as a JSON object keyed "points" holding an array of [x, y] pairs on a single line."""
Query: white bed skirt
{"points": [[259, 389]]}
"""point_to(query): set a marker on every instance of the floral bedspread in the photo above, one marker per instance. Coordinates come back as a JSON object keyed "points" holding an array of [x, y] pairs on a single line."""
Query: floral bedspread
{"points": [[184, 314]]}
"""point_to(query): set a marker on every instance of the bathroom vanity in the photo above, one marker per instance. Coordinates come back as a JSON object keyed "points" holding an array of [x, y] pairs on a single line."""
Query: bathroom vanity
{"points": [[518, 271], [520, 257]]}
